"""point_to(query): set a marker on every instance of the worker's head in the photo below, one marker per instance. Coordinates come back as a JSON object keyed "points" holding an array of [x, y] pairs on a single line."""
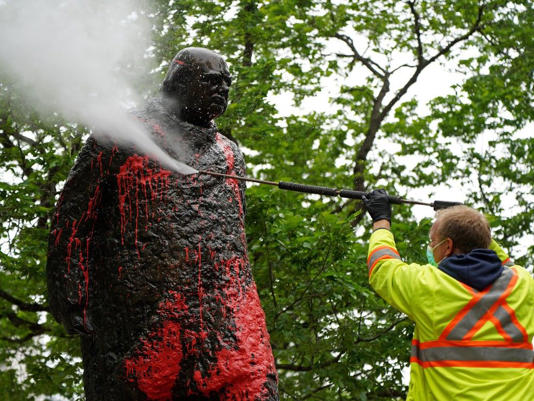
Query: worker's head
{"points": [[458, 230]]}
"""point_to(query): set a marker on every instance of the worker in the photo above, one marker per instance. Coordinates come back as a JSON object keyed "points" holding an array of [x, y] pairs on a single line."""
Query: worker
{"points": [[472, 307]]}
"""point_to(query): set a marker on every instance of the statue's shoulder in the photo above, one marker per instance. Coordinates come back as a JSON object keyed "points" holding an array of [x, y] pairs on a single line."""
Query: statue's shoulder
{"points": [[227, 138]]}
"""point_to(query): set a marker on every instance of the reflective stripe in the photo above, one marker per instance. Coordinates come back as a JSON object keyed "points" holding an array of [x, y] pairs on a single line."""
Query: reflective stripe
{"points": [[455, 347], [383, 252], [502, 355], [487, 300], [470, 353], [508, 263], [507, 325]]}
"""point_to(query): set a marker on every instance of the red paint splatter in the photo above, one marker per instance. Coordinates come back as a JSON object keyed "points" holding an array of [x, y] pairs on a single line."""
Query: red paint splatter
{"points": [[158, 130], [157, 364], [241, 373], [135, 179], [202, 333]]}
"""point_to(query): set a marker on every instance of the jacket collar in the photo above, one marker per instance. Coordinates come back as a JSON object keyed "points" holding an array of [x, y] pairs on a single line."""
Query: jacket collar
{"points": [[478, 268]]}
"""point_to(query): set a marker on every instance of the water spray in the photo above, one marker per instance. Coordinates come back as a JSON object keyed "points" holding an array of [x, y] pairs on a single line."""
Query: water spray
{"points": [[342, 193]]}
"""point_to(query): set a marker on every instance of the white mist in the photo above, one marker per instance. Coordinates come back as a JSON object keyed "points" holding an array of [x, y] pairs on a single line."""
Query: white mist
{"points": [[82, 59]]}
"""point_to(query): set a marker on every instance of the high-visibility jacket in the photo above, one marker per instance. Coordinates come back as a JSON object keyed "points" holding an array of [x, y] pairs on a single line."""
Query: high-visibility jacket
{"points": [[468, 345]]}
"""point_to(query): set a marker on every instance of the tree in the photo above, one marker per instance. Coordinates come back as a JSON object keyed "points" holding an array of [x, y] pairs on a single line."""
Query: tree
{"points": [[36, 157], [333, 338]]}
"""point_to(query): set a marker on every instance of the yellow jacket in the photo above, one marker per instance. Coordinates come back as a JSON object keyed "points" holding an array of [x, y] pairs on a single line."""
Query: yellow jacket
{"points": [[468, 345]]}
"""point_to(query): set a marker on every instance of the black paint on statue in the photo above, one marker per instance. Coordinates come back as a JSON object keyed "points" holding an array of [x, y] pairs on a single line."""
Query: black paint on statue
{"points": [[151, 266]]}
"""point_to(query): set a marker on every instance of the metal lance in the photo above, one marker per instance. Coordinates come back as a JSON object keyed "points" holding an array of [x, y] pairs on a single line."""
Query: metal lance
{"points": [[319, 190]]}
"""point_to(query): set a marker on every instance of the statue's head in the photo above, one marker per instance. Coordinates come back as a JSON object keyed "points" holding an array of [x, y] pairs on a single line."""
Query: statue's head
{"points": [[196, 85]]}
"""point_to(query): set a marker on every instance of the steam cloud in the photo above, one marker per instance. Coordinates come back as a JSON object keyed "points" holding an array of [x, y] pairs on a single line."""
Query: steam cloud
{"points": [[71, 55]]}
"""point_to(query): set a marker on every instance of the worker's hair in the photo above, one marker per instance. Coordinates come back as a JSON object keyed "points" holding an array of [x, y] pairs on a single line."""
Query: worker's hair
{"points": [[467, 228]]}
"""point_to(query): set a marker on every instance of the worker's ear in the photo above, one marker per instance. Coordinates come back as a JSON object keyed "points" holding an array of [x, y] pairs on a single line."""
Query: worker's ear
{"points": [[450, 246]]}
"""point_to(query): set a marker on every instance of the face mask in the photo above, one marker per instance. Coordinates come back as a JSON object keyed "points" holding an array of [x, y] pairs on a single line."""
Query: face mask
{"points": [[430, 253]]}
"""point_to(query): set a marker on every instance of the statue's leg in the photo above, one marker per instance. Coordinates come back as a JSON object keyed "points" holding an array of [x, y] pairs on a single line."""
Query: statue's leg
{"points": [[267, 392]]}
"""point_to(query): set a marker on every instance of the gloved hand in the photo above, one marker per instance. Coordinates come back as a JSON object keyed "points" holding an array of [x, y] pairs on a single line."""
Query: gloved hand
{"points": [[377, 204]]}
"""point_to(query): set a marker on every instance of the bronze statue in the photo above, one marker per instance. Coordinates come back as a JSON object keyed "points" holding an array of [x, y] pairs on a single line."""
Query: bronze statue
{"points": [[150, 267]]}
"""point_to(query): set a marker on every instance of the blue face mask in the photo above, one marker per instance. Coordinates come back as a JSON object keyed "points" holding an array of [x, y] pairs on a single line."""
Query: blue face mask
{"points": [[430, 253]]}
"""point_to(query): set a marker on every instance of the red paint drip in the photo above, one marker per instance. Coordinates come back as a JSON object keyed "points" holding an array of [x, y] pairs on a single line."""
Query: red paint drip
{"points": [[83, 265], [92, 206], [203, 334], [99, 160], [72, 240], [158, 362], [114, 150], [230, 162], [58, 207], [135, 179], [57, 233]]}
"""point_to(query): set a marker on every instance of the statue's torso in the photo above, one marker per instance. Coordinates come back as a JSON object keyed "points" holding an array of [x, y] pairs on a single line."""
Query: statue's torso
{"points": [[156, 263]]}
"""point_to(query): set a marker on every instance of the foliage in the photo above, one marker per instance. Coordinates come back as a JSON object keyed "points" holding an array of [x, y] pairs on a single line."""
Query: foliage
{"points": [[333, 338]]}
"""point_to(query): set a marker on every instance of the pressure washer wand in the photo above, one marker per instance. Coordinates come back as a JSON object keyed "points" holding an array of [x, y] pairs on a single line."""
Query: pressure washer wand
{"points": [[343, 193]]}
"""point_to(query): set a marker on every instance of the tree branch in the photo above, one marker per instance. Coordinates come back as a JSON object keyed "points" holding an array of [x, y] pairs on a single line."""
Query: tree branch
{"points": [[378, 335], [25, 306], [475, 28], [8, 144], [424, 63], [374, 124], [386, 393], [20, 340], [417, 31], [19, 322], [298, 300], [23, 138], [315, 391], [248, 50], [377, 115], [367, 62], [301, 368]]}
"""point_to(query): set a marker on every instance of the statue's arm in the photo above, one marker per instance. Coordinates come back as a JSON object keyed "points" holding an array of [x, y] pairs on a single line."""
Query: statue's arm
{"points": [[69, 246]]}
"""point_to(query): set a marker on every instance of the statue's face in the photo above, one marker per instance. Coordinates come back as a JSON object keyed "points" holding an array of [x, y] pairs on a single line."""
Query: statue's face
{"points": [[205, 96]]}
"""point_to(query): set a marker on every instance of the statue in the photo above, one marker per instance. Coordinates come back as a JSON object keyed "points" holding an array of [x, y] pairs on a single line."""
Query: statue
{"points": [[150, 266]]}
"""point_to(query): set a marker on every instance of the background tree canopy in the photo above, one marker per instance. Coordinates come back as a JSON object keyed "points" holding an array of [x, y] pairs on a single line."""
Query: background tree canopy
{"points": [[333, 338]]}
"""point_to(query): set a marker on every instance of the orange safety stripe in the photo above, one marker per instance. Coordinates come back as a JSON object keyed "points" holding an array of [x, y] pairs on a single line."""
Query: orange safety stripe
{"points": [[472, 364], [508, 262], [493, 308], [511, 312], [463, 343], [497, 323], [380, 253], [486, 305], [476, 297], [456, 347]]}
